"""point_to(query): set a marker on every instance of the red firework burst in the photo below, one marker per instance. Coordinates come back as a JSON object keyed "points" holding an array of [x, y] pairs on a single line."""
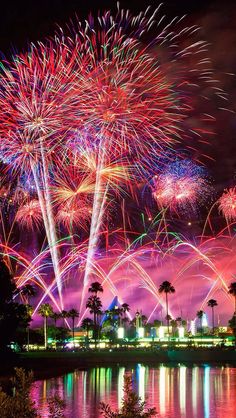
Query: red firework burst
{"points": [[227, 204], [69, 215], [29, 215]]}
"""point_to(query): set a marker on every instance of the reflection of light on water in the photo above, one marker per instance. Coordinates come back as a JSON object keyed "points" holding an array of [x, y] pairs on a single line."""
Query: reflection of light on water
{"points": [[45, 389], [120, 385], [206, 391], [84, 383], [102, 380], [141, 381], [181, 392], [194, 390], [69, 379], [108, 380], [162, 390], [182, 389]]}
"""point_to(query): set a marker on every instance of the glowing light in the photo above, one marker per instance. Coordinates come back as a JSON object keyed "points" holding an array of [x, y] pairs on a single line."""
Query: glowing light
{"points": [[141, 332], [204, 320], [193, 327], [181, 332], [161, 332], [121, 332]]}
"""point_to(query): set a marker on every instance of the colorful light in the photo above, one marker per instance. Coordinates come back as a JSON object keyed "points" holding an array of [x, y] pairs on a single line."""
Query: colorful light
{"points": [[227, 204]]}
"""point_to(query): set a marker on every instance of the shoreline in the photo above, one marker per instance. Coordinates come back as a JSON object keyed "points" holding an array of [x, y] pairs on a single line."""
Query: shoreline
{"points": [[51, 362]]}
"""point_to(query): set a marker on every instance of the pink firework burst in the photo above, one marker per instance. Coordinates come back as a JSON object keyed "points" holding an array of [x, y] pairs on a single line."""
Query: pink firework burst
{"points": [[70, 215], [29, 215], [227, 204]]}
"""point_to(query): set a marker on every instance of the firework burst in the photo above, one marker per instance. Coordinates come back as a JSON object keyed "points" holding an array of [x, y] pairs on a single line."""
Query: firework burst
{"points": [[29, 215], [69, 216], [181, 187], [227, 204]]}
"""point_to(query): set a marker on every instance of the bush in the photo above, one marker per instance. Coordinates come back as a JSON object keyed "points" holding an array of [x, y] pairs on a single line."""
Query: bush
{"points": [[18, 403], [132, 405]]}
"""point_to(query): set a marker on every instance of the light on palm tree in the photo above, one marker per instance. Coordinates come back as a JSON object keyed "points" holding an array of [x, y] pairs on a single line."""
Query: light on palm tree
{"points": [[167, 288], [200, 315], [45, 311]]}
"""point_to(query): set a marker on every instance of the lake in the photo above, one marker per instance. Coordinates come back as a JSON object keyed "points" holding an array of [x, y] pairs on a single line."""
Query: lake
{"points": [[177, 392]]}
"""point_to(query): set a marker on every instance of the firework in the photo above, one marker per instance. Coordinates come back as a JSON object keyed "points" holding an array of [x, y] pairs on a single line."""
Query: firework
{"points": [[29, 215], [69, 216], [80, 116], [227, 204], [181, 186], [37, 113]]}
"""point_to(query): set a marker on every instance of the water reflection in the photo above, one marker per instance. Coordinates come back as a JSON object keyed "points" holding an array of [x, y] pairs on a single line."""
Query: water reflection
{"points": [[179, 392]]}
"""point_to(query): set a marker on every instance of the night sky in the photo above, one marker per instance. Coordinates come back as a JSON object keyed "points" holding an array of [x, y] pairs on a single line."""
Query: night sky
{"points": [[31, 20]]}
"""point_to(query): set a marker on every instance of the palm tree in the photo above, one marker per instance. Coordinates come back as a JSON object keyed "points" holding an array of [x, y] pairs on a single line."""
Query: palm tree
{"points": [[73, 313], [95, 305], [124, 309], [212, 303], [232, 325], [95, 288], [87, 324], [55, 316], [28, 291], [200, 315], [232, 291], [114, 316], [29, 310], [45, 311], [64, 315], [179, 321], [167, 288], [174, 325]]}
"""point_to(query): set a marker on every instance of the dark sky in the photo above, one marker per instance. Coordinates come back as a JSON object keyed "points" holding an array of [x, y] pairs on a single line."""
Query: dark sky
{"points": [[29, 20], [23, 21]]}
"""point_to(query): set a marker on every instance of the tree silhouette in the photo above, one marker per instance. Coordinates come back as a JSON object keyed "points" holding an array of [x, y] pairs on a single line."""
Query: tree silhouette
{"points": [[7, 286], [73, 313], [232, 291], [167, 288], [95, 307], [55, 316], [232, 325], [13, 316], [212, 303], [95, 288], [87, 324], [132, 405], [28, 291]]}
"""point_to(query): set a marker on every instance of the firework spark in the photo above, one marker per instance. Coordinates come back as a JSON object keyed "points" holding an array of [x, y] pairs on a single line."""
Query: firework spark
{"points": [[29, 215], [227, 204], [181, 186]]}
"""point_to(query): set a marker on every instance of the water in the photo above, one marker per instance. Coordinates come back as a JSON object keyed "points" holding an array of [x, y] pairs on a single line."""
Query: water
{"points": [[176, 392]]}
